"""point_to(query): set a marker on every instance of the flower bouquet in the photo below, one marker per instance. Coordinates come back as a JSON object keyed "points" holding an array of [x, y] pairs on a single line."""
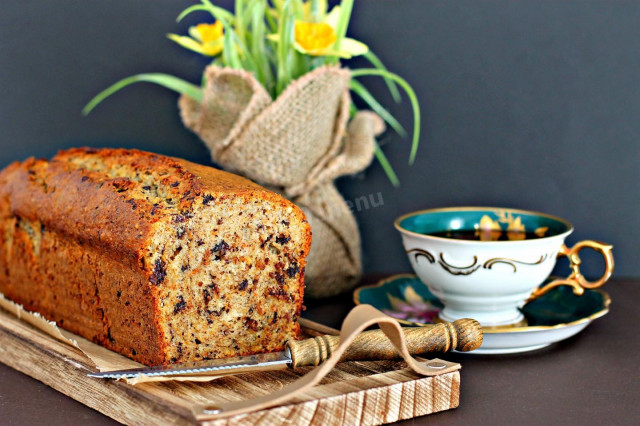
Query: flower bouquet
{"points": [[274, 105]]}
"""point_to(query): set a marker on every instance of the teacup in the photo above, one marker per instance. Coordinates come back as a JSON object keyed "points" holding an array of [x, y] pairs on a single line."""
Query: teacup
{"points": [[485, 263]]}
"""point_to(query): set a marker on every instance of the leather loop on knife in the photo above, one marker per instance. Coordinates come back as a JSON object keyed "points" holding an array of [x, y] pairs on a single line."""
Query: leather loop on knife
{"points": [[360, 318]]}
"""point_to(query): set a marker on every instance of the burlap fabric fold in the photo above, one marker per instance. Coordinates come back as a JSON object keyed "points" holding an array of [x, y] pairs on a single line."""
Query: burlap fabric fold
{"points": [[297, 144]]}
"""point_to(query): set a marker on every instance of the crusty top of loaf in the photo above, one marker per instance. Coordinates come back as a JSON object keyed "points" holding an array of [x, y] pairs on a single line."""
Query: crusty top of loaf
{"points": [[112, 197]]}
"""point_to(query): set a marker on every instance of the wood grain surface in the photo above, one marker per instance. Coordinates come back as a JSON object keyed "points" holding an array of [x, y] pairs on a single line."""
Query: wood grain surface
{"points": [[358, 392]]}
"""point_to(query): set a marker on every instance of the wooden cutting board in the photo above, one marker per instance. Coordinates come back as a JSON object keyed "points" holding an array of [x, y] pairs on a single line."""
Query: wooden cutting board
{"points": [[371, 392]]}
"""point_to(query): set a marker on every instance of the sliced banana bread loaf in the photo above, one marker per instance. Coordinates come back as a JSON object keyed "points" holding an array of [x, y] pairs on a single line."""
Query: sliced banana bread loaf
{"points": [[154, 257]]}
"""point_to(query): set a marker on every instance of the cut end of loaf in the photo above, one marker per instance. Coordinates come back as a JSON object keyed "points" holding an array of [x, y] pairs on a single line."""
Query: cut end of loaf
{"points": [[229, 277]]}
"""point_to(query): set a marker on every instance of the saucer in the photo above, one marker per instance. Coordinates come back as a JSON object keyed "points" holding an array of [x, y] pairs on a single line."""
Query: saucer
{"points": [[555, 316]]}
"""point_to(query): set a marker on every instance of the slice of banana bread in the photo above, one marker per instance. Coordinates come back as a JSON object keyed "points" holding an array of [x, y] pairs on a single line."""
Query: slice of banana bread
{"points": [[156, 258]]}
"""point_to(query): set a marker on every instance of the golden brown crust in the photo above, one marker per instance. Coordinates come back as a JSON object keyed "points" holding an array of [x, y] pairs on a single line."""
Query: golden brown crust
{"points": [[220, 181], [77, 230]]}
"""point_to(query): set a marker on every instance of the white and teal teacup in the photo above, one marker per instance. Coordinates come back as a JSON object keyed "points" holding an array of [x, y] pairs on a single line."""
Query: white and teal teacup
{"points": [[485, 263]]}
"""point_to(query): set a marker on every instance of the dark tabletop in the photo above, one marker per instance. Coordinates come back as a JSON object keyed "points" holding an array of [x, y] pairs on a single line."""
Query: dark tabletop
{"points": [[592, 378]]}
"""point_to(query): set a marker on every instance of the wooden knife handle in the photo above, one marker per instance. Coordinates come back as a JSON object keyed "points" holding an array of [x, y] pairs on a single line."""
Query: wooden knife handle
{"points": [[462, 335]]}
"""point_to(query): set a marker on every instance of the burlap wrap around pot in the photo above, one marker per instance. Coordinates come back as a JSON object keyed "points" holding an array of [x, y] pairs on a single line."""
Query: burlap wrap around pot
{"points": [[297, 145]]}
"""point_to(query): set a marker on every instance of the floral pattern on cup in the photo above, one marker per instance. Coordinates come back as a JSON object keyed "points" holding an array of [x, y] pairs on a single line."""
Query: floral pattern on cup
{"points": [[412, 307]]}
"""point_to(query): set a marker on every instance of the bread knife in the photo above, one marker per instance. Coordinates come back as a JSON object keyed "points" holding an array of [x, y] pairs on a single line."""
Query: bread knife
{"points": [[462, 335]]}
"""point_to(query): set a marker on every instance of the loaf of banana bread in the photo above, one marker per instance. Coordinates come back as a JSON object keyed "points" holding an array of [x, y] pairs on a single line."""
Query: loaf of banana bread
{"points": [[159, 259]]}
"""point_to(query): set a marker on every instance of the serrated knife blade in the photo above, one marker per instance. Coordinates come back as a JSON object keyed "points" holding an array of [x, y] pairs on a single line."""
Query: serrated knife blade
{"points": [[235, 365], [463, 335]]}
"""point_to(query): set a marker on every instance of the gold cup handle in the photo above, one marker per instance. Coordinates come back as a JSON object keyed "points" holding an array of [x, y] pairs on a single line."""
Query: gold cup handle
{"points": [[576, 280]]}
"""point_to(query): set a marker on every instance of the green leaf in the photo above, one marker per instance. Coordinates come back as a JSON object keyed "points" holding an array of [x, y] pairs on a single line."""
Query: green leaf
{"points": [[386, 166], [270, 17], [298, 9], [376, 62], [255, 9], [412, 97], [346, 6], [218, 12], [242, 53], [190, 10], [318, 10], [258, 47], [170, 82], [285, 47], [366, 96], [240, 26], [352, 110], [302, 65], [318, 61], [229, 51]]}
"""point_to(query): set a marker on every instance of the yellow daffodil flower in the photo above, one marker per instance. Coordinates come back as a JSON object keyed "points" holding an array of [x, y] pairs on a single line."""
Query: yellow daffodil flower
{"points": [[319, 38], [314, 38], [206, 39]]}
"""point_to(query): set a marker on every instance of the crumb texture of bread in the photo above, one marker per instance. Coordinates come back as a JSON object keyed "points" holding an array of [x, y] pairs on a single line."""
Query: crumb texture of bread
{"points": [[157, 258]]}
